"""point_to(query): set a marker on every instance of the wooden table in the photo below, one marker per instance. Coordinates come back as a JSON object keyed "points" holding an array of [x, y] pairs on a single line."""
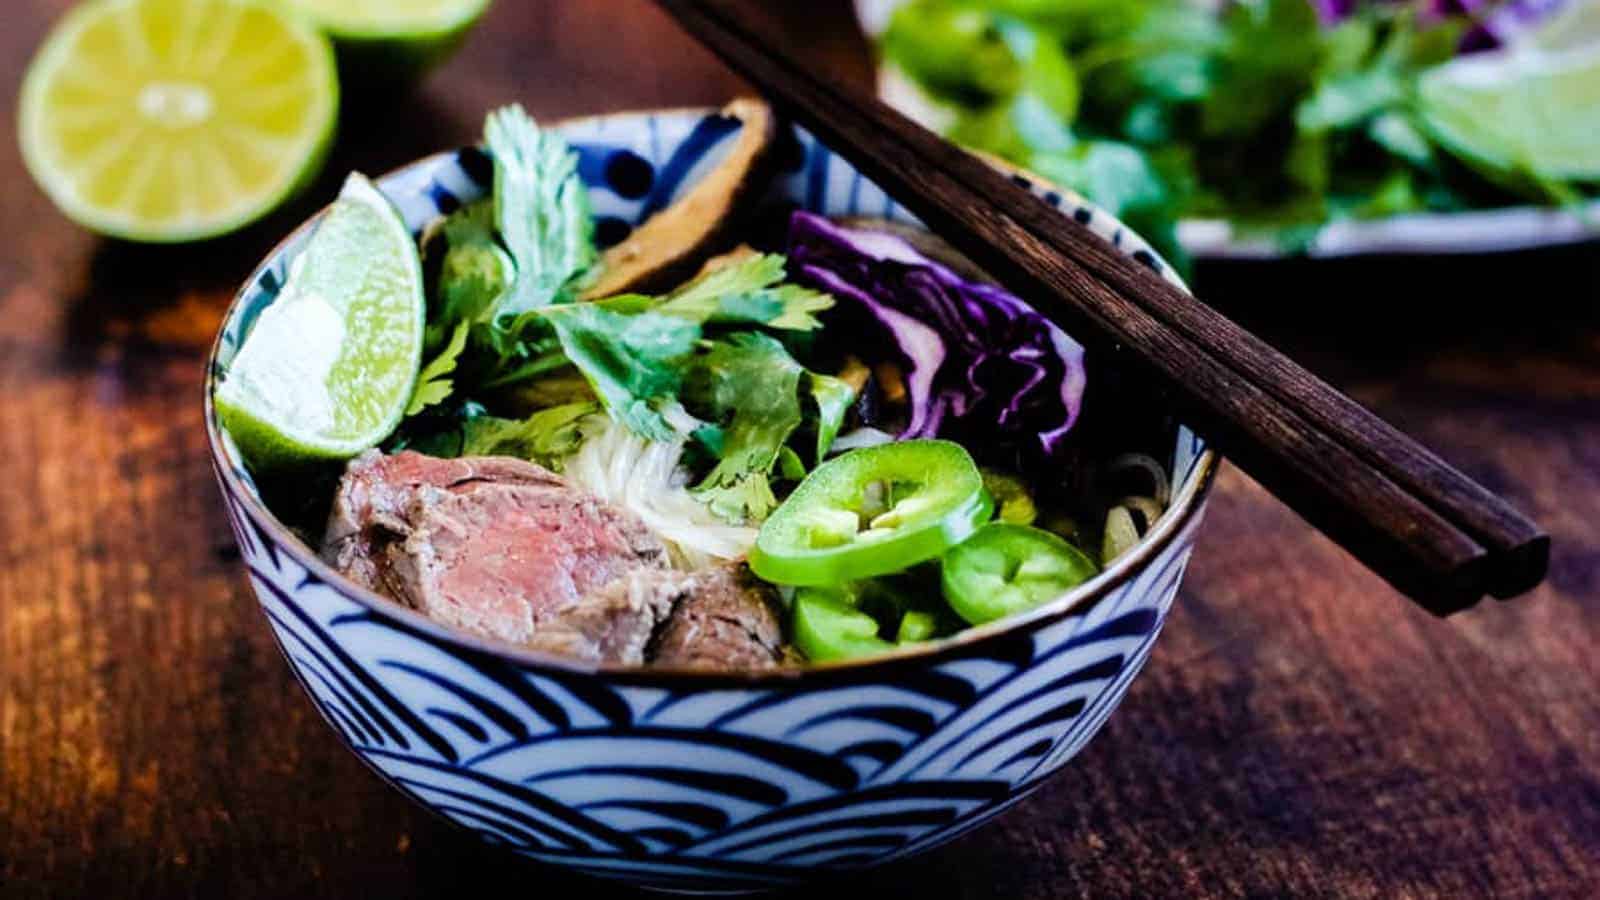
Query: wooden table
{"points": [[1300, 730]]}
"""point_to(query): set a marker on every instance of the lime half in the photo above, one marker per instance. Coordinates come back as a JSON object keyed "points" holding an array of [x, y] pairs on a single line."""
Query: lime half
{"points": [[386, 39], [176, 120], [328, 368], [1520, 113]]}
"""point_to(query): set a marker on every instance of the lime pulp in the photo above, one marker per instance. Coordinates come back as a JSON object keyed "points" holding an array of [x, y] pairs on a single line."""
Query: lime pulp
{"points": [[176, 120]]}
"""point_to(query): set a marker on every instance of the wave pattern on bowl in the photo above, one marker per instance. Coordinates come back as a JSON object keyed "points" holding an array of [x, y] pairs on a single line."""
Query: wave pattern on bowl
{"points": [[679, 782], [740, 787]]}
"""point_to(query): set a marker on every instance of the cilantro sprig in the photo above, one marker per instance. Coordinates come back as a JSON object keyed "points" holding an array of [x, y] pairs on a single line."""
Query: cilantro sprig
{"points": [[700, 363]]}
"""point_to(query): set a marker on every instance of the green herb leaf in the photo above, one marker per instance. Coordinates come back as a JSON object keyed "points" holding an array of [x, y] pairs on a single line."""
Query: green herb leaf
{"points": [[541, 210], [434, 385], [952, 51], [1399, 135], [1046, 72], [748, 292], [473, 275], [749, 381], [547, 437], [629, 358], [1267, 59], [1350, 100], [505, 258]]}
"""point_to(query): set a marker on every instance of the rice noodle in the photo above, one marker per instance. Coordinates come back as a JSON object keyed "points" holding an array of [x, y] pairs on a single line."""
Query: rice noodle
{"points": [[647, 478]]}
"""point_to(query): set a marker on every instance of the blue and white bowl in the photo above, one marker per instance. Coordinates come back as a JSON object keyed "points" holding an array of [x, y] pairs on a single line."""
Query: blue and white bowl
{"points": [[696, 781]]}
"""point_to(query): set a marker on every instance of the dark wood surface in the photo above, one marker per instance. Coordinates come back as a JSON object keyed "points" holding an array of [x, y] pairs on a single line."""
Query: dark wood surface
{"points": [[1300, 730]]}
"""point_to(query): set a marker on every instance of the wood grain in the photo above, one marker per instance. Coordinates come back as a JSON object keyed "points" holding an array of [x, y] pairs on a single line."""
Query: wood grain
{"points": [[1299, 731]]}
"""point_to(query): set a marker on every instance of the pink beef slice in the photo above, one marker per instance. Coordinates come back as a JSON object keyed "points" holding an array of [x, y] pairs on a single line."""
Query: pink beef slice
{"points": [[725, 619], [502, 548]]}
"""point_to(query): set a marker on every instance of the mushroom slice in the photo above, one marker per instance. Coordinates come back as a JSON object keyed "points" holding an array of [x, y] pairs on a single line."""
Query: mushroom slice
{"points": [[675, 242], [739, 254]]}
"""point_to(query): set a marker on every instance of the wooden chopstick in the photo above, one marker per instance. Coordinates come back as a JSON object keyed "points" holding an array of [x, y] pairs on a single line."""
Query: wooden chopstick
{"points": [[1413, 519], [1519, 551]]}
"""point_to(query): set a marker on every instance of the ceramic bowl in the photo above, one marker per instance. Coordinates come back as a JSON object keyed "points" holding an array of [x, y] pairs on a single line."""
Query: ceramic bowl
{"points": [[678, 780]]}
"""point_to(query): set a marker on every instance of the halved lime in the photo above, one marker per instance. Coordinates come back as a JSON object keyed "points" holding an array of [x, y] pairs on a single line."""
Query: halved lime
{"points": [[387, 39], [1519, 114], [329, 366], [176, 120]]}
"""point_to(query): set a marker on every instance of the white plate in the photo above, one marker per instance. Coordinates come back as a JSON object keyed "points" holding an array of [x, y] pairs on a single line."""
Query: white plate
{"points": [[1482, 231]]}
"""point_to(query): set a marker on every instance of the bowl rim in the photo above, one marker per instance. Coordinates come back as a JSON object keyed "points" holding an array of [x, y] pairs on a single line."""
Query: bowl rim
{"points": [[1186, 505]]}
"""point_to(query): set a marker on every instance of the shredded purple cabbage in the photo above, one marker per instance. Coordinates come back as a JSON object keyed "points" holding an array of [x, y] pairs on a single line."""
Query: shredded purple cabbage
{"points": [[979, 361]]}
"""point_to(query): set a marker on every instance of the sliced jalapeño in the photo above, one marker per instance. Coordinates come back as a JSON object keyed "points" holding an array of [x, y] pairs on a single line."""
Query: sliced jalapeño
{"points": [[873, 511]]}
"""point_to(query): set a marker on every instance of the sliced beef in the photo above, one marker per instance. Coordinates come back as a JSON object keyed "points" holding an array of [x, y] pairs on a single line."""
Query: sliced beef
{"points": [[505, 549], [726, 619], [370, 504], [616, 622], [501, 548]]}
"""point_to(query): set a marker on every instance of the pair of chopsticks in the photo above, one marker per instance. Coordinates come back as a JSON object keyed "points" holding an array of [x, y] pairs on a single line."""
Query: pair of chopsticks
{"points": [[1433, 533]]}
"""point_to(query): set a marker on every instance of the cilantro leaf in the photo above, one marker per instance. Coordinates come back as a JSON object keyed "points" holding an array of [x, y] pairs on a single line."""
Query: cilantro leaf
{"points": [[541, 210], [434, 385], [1267, 58], [547, 437], [748, 291], [749, 381], [633, 349], [526, 248], [628, 356], [800, 306], [473, 275]]}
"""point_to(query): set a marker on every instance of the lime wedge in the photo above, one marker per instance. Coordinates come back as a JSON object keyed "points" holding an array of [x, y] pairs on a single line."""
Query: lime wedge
{"points": [[385, 39], [328, 368], [1519, 114], [176, 120]]}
